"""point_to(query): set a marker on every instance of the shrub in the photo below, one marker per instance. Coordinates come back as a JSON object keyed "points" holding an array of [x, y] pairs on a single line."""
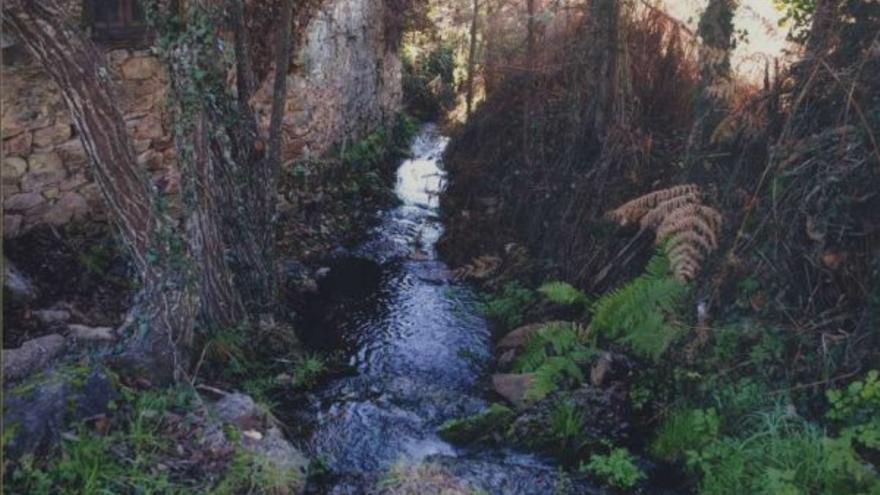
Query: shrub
{"points": [[477, 427], [567, 427], [429, 81]]}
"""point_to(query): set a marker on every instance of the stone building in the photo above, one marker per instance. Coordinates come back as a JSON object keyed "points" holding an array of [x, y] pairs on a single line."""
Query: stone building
{"points": [[345, 82]]}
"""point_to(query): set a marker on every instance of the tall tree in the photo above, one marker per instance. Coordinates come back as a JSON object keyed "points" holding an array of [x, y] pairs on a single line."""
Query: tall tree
{"points": [[605, 67], [218, 262], [242, 171], [716, 42], [166, 305]]}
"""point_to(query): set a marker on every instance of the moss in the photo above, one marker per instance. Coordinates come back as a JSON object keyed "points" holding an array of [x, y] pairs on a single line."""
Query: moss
{"points": [[480, 426]]}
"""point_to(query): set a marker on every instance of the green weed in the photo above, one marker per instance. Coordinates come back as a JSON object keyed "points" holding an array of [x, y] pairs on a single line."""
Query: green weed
{"points": [[618, 468]]}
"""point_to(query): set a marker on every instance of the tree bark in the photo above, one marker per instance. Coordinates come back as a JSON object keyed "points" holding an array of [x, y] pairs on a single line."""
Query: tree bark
{"points": [[472, 56], [821, 27], [606, 89], [166, 304]]}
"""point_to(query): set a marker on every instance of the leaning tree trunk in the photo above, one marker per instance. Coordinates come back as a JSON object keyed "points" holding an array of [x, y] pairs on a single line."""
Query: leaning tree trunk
{"points": [[716, 34], [165, 307]]}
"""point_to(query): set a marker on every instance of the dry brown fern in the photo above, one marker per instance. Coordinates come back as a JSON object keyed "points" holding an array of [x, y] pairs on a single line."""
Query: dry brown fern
{"points": [[687, 228], [479, 268]]}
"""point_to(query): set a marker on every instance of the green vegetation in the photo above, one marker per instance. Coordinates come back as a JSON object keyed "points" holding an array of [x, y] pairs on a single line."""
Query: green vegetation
{"points": [[308, 370], [567, 428], [555, 355], [429, 81], [638, 314], [121, 460], [481, 426], [509, 306], [686, 429], [617, 468], [563, 293], [778, 453], [255, 474]]}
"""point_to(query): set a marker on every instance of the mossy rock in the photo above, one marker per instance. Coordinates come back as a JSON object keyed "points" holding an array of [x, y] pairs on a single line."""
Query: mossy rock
{"points": [[480, 426], [49, 403]]}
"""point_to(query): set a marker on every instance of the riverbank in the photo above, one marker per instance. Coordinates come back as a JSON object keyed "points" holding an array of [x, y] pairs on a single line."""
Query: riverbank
{"points": [[64, 304]]}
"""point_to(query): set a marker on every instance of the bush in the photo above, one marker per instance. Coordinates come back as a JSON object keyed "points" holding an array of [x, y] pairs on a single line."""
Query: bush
{"points": [[480, 426], [308, 370]]}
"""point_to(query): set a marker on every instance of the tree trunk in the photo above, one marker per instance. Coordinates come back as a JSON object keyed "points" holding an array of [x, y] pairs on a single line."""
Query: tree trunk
{"points": [[243, 174], [490, 73], [472, 56], [716, 33], [166, 304], [606, 89], [820, 29]]}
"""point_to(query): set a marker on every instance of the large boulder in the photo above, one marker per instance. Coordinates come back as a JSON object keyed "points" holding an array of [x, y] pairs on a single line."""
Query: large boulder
{"points": [[36, 412], [513, 386], [261, 435]]}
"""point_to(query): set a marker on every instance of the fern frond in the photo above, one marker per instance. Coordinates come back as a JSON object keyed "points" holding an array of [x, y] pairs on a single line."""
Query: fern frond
{"points": [[562, 293], [479, 268], [556, 355], [688, 228], [636, 314], [635, 209]]}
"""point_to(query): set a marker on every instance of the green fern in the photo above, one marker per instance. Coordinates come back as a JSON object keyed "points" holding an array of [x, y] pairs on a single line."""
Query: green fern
{"points": [[563, 293], [555, 355], [636, 314]]}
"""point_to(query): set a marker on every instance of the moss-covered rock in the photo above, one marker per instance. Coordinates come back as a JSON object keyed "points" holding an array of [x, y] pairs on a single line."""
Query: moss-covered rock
{"points": [[484, 425]]}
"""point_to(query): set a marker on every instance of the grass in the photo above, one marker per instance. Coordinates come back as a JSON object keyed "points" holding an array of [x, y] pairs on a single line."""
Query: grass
{"points": [[121, 460], [309, 370]]}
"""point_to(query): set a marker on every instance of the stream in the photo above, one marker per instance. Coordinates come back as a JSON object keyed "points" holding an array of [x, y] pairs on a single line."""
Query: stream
{"points": [[419, 349]]}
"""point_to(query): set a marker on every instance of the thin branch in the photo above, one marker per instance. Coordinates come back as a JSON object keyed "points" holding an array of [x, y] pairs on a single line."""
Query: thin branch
{"points": [[282, 65]]}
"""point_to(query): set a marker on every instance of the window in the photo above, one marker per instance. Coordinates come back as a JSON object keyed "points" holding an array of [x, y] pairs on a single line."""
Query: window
{"points": [[116, 21]]}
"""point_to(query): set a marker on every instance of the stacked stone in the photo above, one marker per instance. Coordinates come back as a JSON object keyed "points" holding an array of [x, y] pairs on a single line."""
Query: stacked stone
{"points": [[45, 178]]}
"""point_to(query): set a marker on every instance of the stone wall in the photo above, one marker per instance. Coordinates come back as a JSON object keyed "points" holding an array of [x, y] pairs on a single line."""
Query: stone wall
{"points": [[45, 171], [345, 83]]}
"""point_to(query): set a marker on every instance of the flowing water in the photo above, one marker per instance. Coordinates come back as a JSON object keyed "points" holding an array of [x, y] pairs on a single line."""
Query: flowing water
{"points": [[420, 349]]}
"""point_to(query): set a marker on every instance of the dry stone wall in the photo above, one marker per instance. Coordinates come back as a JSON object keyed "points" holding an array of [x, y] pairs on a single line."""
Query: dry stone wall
{"points": [[345, 83], [45, 177]]}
